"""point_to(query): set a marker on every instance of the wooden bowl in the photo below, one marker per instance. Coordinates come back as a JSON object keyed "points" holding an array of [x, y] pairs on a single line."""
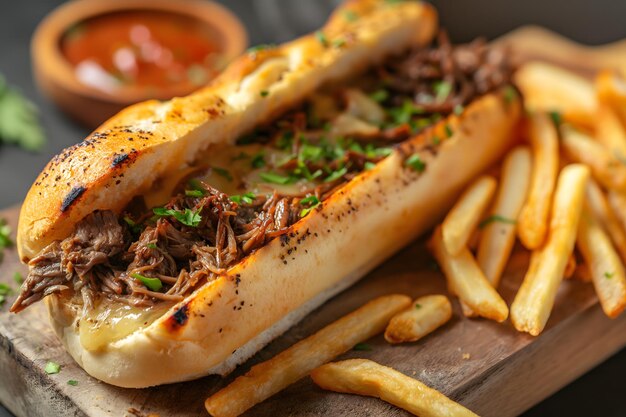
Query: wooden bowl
{"points": [[56, 77]]}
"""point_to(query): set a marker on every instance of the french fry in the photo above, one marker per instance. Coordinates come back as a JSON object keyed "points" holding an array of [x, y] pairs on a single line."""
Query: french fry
{"points": [[550, 88], [534, 301], [267, 378], [467, 281], [606, 168], [365, 377], [617, 201], [602, 210], [611, 89], [607, 271], [424, 316], [498, 236], [462, 219], [533, 220], [610, 132], [570, 267]]}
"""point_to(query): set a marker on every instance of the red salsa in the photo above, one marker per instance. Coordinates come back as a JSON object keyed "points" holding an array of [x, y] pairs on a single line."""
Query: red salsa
{"points": [[146, 49]]}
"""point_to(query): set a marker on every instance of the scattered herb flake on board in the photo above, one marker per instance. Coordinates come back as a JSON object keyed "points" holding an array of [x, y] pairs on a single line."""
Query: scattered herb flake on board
{"points": [[416, 163], [52, 368], [18, 278], [418, 306], [19, 123], [362, 347], [264, 93], [188, 217], [72, 382], [5, 237], [609, 275], [153, 284], [495, 218]]}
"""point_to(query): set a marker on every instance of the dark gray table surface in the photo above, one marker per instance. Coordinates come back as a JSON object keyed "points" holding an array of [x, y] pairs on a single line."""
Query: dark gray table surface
{"points": [[598, 393]]}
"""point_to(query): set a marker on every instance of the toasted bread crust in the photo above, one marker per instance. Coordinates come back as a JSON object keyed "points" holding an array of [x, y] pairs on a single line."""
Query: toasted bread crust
{"points": [[125, 155]]}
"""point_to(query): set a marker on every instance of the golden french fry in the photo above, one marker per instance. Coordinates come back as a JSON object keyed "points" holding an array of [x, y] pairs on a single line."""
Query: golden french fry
{"points": [[606, 168], [534, 300], [365, 377], [610, 132], [533, 220], [267, 378], [498, 236], [602, 210], [546, 87], [461, 221], [570, 267], [611, 89], [607, 271], [468, 281], [424, 316]]}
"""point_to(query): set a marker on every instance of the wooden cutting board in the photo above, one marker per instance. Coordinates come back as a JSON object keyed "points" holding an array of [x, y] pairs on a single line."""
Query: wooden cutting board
{"points": [[488, 367]]}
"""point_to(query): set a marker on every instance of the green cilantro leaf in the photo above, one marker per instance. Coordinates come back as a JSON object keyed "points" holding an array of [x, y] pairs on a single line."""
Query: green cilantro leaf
{"points": [[223, 172], [495, 218], [335, 175], [247, 198], [187, 217], [416, 163], [194, 193], [52, 368], [153, 284], [274, 178], [72, 382], [18, 278], [442, 90], [321, 38], [19, 123], [609, 275]]}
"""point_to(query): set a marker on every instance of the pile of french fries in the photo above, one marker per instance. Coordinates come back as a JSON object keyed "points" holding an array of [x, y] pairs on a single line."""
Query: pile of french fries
{"points": [[561, 193]]}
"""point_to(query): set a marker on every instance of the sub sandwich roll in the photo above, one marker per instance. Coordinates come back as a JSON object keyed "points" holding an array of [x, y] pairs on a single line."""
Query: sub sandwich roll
{"points": [[191, 233]]}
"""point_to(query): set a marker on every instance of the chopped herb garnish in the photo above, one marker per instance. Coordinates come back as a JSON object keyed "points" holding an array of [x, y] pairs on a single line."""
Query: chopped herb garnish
{"points": [[495, 218], [261, 47], [285, 141], [18, 278], [556, 117], [52, 368], [335, 175], [362, 347], [369, 165], [153, 284], [442, 90], [418, 306], [247, 198], [339, 43], [510, 94], [436, 140], [448, 130], [274, 178], [310, 153], [152, 246], [350, 16], [72, 382], [264, 93], [134, 227], [187, 217], [458, 109], [223, 172], [416, 163], [194, 193], [403, 114], [380, 95], [312, 201], [609, 275], [321, 38], [258, 160], [196, 185]]}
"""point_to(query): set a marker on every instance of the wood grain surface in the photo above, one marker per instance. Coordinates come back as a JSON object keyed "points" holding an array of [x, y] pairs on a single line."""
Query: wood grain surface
{"points": [[488, 367]]}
